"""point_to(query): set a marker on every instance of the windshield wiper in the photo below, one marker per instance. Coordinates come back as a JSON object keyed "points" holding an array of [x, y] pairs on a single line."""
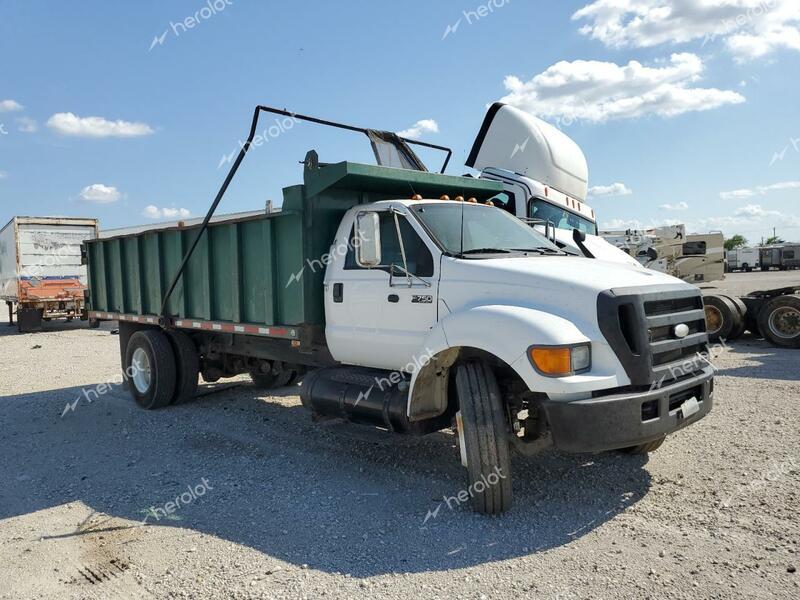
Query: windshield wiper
{"points": [[486, 251], [542, 249]]}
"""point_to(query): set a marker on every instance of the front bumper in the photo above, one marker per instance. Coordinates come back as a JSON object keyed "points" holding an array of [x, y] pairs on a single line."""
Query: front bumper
{"points": [[627, 419]]}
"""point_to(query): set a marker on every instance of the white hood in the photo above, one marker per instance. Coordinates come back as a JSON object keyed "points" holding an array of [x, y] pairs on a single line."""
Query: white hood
{"points": [[561, 285]]}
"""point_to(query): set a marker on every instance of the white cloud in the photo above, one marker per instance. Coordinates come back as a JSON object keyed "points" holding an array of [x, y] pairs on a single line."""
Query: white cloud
{"points": [[27, 125], [755, 211], [419, 128], [3, 175], [100, 194], [10, 106], [615, 189], [749, 28], [97, 127], [678, 206], [153, 212], [760, 190], [597, 91], [615, 224]]}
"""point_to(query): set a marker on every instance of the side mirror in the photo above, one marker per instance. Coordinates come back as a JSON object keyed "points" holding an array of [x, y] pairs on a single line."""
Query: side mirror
{"points": [[368, 239]]}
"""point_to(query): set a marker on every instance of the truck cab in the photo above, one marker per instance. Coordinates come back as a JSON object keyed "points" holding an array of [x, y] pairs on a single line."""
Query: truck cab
{"points": [[544, 176]]}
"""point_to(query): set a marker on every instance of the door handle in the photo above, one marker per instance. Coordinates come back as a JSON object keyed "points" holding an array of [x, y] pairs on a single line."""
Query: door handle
{"points": [[393, 298], [338, 292]]}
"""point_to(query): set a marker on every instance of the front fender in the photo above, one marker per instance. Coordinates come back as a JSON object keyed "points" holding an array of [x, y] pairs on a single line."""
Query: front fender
{"points": [[506, 332]]}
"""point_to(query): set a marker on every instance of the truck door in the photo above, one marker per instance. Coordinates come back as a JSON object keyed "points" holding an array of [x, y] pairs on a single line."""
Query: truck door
{"points": [[376, 316]]}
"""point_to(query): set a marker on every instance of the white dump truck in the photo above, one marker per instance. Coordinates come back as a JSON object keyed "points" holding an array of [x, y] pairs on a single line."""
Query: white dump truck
{"points": [[412, 303]]}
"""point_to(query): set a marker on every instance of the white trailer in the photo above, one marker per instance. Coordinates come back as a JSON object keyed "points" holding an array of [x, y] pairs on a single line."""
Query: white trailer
{"points": [[41, 275], [744, 259]]}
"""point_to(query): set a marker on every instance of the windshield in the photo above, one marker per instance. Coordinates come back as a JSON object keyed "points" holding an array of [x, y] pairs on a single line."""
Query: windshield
{"points": [[561, 217], [486, 230]]}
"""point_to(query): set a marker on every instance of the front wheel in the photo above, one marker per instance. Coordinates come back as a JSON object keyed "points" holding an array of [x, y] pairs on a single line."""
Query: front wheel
{"points": [[644, 448], [150, 369], [484, 438]]}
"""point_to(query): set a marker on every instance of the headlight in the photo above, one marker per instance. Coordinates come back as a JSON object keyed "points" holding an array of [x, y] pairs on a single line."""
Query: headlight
{"points": [[557, 361]]}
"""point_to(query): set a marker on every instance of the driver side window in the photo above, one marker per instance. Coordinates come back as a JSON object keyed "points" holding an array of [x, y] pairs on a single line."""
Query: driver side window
{"points": [[420, 259]]}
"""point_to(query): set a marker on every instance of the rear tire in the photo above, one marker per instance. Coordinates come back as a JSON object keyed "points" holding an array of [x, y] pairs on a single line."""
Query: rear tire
{"points": [[485, 437], [150, 369], [721, 317], [187, 366], [644, 448], [740, 324], [262, 380], [779, 321]]}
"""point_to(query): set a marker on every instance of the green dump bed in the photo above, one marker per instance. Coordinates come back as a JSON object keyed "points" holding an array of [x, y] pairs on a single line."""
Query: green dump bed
{"points": [[259, 274]]}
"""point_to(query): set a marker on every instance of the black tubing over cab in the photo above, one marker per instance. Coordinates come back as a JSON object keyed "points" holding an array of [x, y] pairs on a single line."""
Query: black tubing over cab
{"points": [[150, 368]]}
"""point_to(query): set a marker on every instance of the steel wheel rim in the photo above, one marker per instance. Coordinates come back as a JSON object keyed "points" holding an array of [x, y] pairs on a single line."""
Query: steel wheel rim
{"points": [[141, 370], [714, 319], [785, 323]]}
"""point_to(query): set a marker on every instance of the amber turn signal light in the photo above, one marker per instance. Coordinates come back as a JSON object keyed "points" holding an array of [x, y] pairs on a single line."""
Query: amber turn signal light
{"points": [[552, 361]]}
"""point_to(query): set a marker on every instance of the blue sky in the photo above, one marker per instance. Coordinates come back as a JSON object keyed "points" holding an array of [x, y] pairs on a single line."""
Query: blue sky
{"points": [[686, 114]]}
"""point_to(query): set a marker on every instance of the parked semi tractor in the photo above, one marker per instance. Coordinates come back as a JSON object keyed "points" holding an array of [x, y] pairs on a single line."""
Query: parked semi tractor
{"points": [[545, 183], [544, 177], [410, 302], [41, 275], [773, 314]]}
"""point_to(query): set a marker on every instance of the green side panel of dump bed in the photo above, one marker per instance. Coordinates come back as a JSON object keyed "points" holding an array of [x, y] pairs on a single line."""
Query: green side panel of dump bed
{"points": [[267, 269]]}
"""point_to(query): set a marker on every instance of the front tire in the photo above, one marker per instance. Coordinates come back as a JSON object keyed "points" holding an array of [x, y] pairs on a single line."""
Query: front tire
{"points": [[644, 448], [150, 369], [483, 430]]}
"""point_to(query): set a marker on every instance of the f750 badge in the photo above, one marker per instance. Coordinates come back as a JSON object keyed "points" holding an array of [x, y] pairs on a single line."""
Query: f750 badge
{"points": [[416, 299]]}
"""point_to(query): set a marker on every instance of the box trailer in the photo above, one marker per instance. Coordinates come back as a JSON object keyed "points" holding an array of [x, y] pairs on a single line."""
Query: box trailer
{"points": [[410, 302], [790, 256], [770, 257], [744, 259], [41, 273]]}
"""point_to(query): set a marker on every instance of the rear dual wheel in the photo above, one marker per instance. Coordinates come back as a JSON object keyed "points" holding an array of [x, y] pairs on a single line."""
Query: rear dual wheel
{"points": [[722, 317], [161, 368], [779, 321]]}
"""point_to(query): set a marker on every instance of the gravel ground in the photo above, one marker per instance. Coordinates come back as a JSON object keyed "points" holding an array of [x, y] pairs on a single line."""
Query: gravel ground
{"points": [[740, 284], [283, 508]]}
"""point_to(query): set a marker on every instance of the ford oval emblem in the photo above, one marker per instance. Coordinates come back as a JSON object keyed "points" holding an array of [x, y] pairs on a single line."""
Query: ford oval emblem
{"points": [[681, 330]]}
